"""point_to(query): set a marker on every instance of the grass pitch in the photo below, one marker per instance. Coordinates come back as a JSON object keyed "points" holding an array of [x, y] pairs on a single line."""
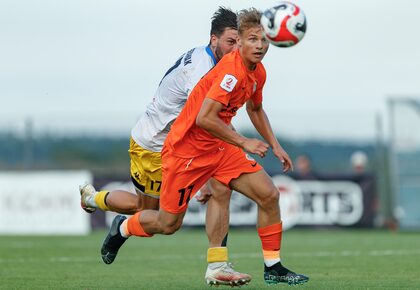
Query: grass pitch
{"points": [[333, 259]]}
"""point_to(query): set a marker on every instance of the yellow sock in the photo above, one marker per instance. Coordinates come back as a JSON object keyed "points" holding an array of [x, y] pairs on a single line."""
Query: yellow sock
{"points": [[100, 200], [217, 254]]}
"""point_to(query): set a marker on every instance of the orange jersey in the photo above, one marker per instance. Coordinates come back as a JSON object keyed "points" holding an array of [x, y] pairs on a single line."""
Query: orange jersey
{"points": [[229, 83]]}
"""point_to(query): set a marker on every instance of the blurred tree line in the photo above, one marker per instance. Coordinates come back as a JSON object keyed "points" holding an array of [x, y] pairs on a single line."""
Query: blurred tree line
{"points": [[108, 155]]}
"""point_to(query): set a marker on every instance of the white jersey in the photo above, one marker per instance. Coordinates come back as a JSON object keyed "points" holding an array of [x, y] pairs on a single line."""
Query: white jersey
{"points": [[153, 126]]}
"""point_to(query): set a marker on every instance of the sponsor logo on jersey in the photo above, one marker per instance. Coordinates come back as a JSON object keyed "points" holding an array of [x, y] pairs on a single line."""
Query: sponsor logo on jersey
{"points": [[228, 82], [187, 58]]}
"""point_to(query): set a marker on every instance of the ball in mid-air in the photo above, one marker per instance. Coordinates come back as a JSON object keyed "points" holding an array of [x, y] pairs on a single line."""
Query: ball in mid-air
{"points": [[284, 24]]}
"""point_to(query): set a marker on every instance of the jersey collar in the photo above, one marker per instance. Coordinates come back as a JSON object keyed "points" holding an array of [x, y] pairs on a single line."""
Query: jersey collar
{"points": [[210, 52]]}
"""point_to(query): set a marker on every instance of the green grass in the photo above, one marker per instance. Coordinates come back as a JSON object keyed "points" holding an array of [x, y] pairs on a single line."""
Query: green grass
{"points": [[334, 259]]}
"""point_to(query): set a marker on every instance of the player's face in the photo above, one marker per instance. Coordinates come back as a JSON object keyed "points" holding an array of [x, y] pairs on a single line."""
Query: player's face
{"points": [[253, 46], [225, 43]]}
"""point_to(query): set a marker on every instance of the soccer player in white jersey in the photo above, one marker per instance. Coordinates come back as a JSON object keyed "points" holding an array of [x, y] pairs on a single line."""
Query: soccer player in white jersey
{"points": [[148, 136]]}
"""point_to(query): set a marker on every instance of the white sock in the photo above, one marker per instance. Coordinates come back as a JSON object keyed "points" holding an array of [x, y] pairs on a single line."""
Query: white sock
{"points": [[90, 201], [123, 231], [271, 262], [216, 265]]}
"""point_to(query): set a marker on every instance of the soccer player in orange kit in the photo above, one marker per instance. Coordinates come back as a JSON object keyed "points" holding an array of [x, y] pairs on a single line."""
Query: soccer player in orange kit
{"points": [[201, 145]]}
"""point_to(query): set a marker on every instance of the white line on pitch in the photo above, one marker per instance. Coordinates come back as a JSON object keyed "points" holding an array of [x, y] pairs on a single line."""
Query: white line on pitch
{"points": [[344, 253]]}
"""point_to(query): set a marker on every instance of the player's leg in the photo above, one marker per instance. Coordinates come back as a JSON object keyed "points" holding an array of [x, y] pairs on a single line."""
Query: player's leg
{"points": [[144, 223], [148, 202], [152, 220], [219, 271], [217, 214], [183, 178], [146, 175], [128, 203], [245, 175], [116, 200], [119, 201], [259, 187]]}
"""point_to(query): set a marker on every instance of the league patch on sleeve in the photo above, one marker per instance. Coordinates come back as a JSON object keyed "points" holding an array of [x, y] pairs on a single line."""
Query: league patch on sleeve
{"points": [[228, 82]]}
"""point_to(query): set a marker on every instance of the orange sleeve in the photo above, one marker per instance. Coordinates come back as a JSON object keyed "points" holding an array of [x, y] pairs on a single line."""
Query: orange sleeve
{"points": [[223, 86], [257, 97]]}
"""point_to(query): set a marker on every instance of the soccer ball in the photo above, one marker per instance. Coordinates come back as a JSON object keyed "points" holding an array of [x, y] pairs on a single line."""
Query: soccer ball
{"points": [[284, 24]]}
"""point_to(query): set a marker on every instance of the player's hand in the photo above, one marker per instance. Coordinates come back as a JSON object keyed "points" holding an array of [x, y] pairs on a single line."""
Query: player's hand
{"points": [[205, 194], [284, 158], [255, 146]]}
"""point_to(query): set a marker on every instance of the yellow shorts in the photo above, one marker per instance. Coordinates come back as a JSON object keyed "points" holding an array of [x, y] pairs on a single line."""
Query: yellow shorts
{"points": [[145, 169]]}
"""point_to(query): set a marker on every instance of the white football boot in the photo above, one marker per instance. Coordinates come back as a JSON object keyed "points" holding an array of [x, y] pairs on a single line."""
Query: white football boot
{"points": [[226, 275], [87, 192]]}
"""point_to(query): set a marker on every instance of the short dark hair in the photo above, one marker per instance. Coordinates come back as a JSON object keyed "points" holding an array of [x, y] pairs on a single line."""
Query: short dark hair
{"points": [[223, 18]]}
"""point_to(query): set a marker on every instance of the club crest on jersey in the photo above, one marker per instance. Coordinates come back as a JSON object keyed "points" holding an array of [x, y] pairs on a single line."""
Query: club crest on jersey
{"points": [[228, 82]]}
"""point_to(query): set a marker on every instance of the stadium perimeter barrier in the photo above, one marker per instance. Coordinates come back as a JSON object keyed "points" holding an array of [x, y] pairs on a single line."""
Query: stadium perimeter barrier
{"points": [[331, 201], [48, 202], [42, 203]]}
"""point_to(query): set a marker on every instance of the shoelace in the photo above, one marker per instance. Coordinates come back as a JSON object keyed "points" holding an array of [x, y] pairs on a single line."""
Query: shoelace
{"points": [[228, 267]]}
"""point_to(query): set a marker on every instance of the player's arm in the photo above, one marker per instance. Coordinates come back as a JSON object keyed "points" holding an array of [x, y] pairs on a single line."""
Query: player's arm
{"points": [[208, 119], [260, 121]]}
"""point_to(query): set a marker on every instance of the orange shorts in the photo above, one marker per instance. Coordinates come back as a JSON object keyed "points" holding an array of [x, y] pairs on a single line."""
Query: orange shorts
{"points": [[182, 177]]}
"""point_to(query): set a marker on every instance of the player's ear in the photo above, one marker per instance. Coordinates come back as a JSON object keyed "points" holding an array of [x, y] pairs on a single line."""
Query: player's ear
{"points": [[213, 40], [239, 42]]}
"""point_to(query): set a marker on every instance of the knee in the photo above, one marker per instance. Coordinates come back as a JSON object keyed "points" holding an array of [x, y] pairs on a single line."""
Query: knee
{"points": [[171, 228], [222, 194], [270, 198]]}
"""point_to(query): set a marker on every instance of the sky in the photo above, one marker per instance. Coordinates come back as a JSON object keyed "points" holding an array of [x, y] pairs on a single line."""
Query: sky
{"points": [[92, 66]]}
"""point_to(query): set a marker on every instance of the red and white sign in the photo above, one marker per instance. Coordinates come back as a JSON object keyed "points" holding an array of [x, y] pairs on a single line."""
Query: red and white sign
{"points": [[228, 83]]}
